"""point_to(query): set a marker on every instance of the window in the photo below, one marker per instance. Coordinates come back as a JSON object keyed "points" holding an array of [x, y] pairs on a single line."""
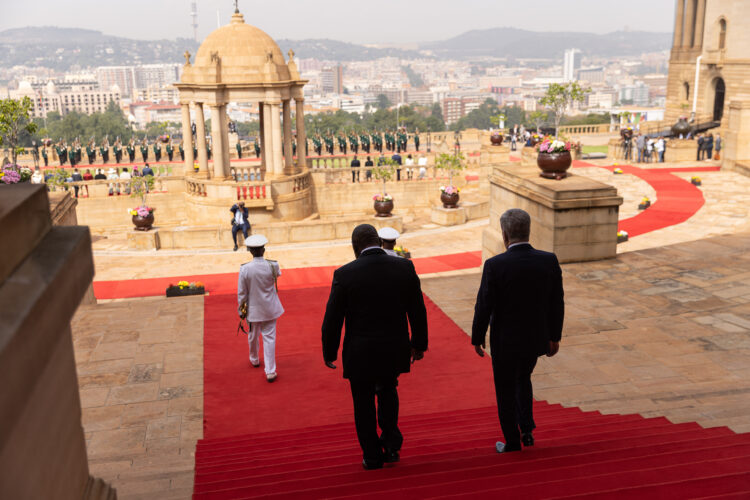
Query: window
{"points": [[722, 33], [686, 90]]}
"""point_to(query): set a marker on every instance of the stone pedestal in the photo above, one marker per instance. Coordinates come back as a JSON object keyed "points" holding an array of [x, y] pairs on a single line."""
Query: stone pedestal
{"points": [[576, 217], [144, 240], [448, 216], [680, 150], [736, 150], [44, 273], [490, 156], [528, 156]]}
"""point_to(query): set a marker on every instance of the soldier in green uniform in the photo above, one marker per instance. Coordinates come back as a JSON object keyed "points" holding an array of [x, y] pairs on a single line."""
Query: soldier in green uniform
{"points": [[294, 146], [130, 148], [402, 138], [317, 145], [256, 146], [182, 151], [144, 150], [104, 150], [329, 143], [79, 152], [416, 139], [44, 155], [72, 155], [91, 152], [239, 149], [117, 149], [353, 143], [170, 150], [195, 152], [157, 150], [208, 150], [342, 143]]}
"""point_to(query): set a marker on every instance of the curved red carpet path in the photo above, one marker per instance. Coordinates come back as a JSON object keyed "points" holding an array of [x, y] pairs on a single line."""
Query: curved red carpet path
{"points": [[295, 438]]}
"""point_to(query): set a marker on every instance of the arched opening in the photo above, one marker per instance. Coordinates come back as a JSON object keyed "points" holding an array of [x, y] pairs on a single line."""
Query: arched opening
{"points": [[722, 33], [719, 90], [685, 91]]}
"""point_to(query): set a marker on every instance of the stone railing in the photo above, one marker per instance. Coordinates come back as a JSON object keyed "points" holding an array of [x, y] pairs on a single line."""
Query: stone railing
{"points": [[246, 173], [598, 129], [253, 193], [195, 187], [358, 175], [120, 187]]}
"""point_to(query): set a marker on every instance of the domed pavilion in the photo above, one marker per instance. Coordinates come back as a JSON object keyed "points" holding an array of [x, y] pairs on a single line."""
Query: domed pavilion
{"points": [[241, 63]]}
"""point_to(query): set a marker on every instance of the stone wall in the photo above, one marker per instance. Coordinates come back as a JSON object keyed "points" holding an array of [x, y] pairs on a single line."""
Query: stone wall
{"points": [[736, 151]]}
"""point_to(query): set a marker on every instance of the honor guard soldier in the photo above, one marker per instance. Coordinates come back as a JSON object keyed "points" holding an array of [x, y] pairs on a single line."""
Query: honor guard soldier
{"points": [[318, 145], [353, 143], [144, 150], [239, 149], [208, 150], [44, 155], [389, 237], [117, 148], [342, 144], [195, 151], [294, 147], [130, 149], [182, 151], [329, 144], [416, 139], [170, 150], [157, 150], [91, 152], [104, 150], [258, 301], [256, 146]]}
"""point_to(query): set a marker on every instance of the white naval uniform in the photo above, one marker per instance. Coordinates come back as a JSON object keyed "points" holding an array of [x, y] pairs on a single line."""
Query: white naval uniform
{"points": [[256, 287], [391, 252]]}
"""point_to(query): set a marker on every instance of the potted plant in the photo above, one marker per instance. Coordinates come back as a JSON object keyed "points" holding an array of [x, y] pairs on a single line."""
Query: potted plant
{"points": [[402, 251], [451, 163], [383, 202], [143, 215], [644, 204], [622, 236], [183, 288], [695, 180], [496, 138], [14, 174], [554, 159]]}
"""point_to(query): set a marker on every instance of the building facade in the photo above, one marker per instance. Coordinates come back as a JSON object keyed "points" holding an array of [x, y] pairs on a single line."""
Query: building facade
{"points": [[709, 64]]}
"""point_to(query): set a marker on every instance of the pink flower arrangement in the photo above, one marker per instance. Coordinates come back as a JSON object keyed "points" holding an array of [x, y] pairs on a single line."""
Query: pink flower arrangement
{"points": [[554, 146], [141, 211], [382, 197], [449, 189]]}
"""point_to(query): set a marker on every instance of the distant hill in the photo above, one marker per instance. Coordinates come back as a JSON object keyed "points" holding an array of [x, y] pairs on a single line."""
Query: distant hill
{"points": [[64, 48], [503, 42]]}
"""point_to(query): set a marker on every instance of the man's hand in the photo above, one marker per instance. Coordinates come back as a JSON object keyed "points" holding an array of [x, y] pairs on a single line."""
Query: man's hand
{"points": [[480, 350], [553, 348], [330, 365], [416, 355]]}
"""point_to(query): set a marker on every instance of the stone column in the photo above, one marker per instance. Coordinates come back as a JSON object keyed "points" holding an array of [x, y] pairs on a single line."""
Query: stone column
{"points": [[688, 33], [219, 140], [268, 146], [678, 23], [301, 134], [288, 153], [276, 153], [225, 132], [262, 134], [700, 19], [200, 135], [187, 138]]}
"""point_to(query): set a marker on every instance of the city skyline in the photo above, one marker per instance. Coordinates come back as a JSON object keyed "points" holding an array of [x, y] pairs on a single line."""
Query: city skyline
{"points": [[400, 23]]}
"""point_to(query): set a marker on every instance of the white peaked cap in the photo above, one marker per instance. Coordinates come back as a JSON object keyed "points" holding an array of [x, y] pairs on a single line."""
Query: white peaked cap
{"points": [[388, 233], [255, 241]]}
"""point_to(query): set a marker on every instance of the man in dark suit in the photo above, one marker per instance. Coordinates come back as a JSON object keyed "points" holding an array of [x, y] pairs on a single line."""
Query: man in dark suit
{"points": [[355, 173], [76, 178], [375, 295], [521, 297], [147, 170], [239, 221]]}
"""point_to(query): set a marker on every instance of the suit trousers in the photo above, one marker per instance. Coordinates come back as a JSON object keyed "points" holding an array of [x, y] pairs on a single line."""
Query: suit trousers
{"points": [[237, 228], [367, 418], [512, 372], [267, 330]]}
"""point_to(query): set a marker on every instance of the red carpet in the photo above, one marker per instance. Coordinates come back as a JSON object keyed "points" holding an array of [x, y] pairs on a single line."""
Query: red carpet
{"points": [[295, 438], [290, 279]]}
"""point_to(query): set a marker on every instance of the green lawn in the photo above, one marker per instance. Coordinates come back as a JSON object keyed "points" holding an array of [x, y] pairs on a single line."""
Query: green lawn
{"points": [[595, 149]]}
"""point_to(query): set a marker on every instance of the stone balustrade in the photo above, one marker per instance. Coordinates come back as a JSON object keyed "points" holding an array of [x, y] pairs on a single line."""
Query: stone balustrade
{"points": [[598, 129], [247, 173], [357, 175], [119, 187]]}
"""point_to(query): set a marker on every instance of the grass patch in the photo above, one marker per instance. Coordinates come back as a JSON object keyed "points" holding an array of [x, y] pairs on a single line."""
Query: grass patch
{"points": [[595, 149]]}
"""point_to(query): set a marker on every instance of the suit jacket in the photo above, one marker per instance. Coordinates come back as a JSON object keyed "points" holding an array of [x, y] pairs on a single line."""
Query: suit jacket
{"points": [[374, 296], [256, 287], [521, 297], [355, 163], [245, 213], [77, 177], [147, 171]]}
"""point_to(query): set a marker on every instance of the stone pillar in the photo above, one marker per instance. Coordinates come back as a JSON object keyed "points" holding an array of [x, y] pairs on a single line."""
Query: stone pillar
{"points": [[736, 148], [200, 135], [679, 22], [219, 141], [278, 160], [688, 32], [225, 132], [262, 134], [301, 134], [288, 158], [268, 137], [187, 138], [700, 19]]}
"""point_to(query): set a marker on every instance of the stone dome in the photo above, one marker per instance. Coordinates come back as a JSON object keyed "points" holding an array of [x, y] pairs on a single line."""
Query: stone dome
{"points": [[238, 53], [51, 88]]}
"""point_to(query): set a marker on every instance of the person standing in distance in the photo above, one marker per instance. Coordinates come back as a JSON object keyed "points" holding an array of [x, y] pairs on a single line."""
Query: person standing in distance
{"points": [[521, 297], [258, 289], [378, 297], [388, 236]]}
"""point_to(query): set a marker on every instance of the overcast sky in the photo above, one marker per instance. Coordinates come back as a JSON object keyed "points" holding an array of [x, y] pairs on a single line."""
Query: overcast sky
{"points": [[371, 21]]}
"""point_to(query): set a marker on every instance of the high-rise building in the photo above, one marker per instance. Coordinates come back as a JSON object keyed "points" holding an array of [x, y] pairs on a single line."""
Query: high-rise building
{"points": [[332, 79], [82, 99], [149, 76], [571, 62], [122, 76]]}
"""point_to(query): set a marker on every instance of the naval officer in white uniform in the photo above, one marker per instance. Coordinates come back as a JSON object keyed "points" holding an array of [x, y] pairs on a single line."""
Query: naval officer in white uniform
{"points": [[257, 287], [388, 235]]}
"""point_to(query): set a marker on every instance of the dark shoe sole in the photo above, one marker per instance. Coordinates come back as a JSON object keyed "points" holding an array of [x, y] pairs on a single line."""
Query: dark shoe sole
{"points": [[368, 466], [527, 440]]}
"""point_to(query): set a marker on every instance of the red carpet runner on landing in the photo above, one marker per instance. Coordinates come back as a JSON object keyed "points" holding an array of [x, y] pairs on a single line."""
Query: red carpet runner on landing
{"points": [[295, 438]]}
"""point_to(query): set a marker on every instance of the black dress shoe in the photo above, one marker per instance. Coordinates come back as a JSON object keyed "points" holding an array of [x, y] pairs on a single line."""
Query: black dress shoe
{"points": [[371, 465], [501, 447], [235, 248], [391, 457], [527, 439]]}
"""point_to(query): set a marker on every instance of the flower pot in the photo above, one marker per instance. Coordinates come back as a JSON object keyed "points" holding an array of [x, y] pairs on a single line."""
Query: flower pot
{"points": [[143, 223], [496, 140], [383, 208], [622, 238], [695, 182], [644, 205], [554, 165], [449, 200], [681, 128], [176, 291]]}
